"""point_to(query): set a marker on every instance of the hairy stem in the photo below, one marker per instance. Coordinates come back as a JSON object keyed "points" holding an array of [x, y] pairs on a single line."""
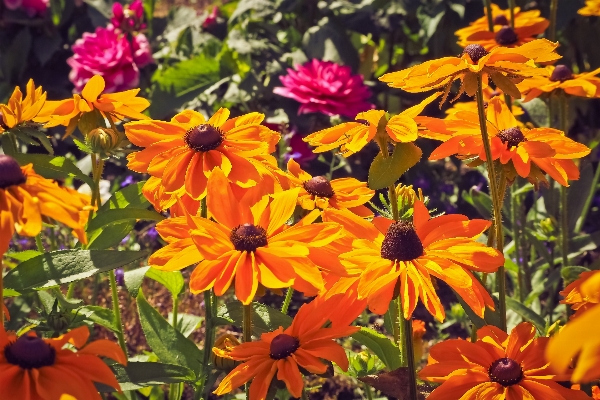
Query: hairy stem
{"points": [[287, 300], [117, 311], [410, 359]]}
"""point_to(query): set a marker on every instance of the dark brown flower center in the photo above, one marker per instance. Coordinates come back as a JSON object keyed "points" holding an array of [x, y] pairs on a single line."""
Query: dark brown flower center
{"points": [[501, 20], [401, 243], [319, 186], [203, 137], [561, 73], [248, 237], [30, 352], [10, 172], [283, 346], [506, 36], [512, 137], [476, 52], [506, 372]]}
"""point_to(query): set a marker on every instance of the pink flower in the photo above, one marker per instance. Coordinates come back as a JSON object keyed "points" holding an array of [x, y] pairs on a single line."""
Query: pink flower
{"points": [[325, 87], [31, 7], [142, 54], [129, 18], [211, 19], [107, 53]]}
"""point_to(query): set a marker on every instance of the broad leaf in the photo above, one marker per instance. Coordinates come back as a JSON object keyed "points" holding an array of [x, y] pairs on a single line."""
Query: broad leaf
{"points": [[187, 323], [386, 171], [53, 167], [99, 315], [570, 274], [109, 236], [104, 218], [140, 374], [381, 345], [129, 197], [527, 314], [264, 318], [172, 280], [64, 266], [133, 280]]}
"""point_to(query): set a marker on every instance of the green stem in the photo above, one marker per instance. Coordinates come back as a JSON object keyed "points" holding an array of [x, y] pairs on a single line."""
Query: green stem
{"points": [[117, 311], [410, 359], [401, 331], [488, 12], [175, 389], [368, 391], [511, 6], [287, 300], [247, 333], [39, 244], [588, 201], [552, 27], [496, 200], [304, 395], [209, 338], [514, 203]]}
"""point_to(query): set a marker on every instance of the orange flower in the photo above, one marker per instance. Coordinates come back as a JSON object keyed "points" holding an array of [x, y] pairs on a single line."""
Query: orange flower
{"points": [[591, 8], [281, 352], [319, 192], [418, 331], [505, 66], [560, 77], [117, 106], [253, 244], [19, 110], [523, 19], [408, 255], [26, 196], [573, 292], [33, 368], [526, 152], [506, 36], [496, 366], [488, 94], [351, 137], [184, 151]]}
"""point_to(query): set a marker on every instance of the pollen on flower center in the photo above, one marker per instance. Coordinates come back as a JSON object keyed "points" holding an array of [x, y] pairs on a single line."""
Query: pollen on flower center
{"points": [[10, 172], [561, 73], [506, 36], [30, 352], [506, 372], [512, 137], [501, 20], [203, 137], [401, 243], [248, 237], [283, 346], [319, 186], [475, 51]]}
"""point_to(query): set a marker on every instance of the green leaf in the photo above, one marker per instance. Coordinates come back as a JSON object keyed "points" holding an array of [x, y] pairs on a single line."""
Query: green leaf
{"points": [[489, 317], [64, 266], [538, 111], [53, 167], [187, 76], [526, 313], [14, 58], [329, 41], [110, 235], [99, 315], [187, 323], [116, 215], [264, 318], [23, 255], [386, 171], [172, 280], [570, 274], [578, 193], [128, 197], [166, 341], [480, 200], [137, 375], [381, 345], [133, 280]]}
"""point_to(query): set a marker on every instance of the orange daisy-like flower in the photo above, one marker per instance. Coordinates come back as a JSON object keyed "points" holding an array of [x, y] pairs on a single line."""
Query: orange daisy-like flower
{"points": [[184, 151], [407, 255], [26, 196], [573, 294], [505, 66], [32, 368], [496, 366], [488, 94], [500, 18], [321, 193], [117, 106], [19, 110], [527, 152], [506, 36], [253, 244], [561, 77], [591, 9], [351, 137], [281, 352]]}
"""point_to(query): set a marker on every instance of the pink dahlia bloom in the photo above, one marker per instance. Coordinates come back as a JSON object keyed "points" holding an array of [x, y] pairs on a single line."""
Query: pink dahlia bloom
{"points": [[326, 87], [31, 7], [142, 54], [107, 53], [211, 19], [129, 18]]}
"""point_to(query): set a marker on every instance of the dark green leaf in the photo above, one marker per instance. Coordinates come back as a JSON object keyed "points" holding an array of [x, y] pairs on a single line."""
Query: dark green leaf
{"points": [[133, 280], [110, 235], [578, 193], [526, 313], [381, 345], [141, 374], [187, 323], [570, 274], [99, 315], [166, 341], [264, 318], [329, 41], [386, 171], [14, 58], [128, 197], [538, 112], [53, 167], [172, 280], [64, 266], [116, 215]]}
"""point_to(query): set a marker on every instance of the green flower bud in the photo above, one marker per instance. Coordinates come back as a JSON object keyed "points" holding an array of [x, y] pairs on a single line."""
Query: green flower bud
{"points": [[59, 321], [103, 140]]}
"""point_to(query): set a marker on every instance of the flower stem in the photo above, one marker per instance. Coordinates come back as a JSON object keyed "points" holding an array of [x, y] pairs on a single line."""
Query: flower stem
{"points": [[515, 221], [552, 27], [564, 211], [511, 6], [368, 391], [410, 359], [287, 300], [588, 201], [401, 331], [117, 311], [209, 337], [490, 17], [496, 199], [175, 389], [247, 321]]}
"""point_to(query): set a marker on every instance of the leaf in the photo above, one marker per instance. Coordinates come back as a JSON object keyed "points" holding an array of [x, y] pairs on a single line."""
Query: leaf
{"points": [[329, 41], [23, 255], [489, 317], [538, 111], [116, 215], [64, 266], [570, 274], [187, 323], [395, 383], [264, 318], [128, 197], [187, 76], [261, 8], [172, 280], [14, 58], [386, 171], [578, 194], [167, 342], [53, 167], [137, 375], [99, 315], [480, 200], [110, 235], [381, 345], [133, 280], [526, 313]]}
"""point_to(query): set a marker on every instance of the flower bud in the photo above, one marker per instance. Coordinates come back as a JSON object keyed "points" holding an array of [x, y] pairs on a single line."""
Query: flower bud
{"points": [[103, 140], [59, 321], [220, 352]]}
